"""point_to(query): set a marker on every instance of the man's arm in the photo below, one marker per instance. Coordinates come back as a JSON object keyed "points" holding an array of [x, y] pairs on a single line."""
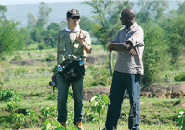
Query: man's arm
{"points": [[122, 46], [86, 47], [118, 46]]}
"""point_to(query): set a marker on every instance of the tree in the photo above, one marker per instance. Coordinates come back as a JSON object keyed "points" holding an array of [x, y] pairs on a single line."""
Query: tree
{"points": [[175, 32], [31, 20], [107, 17], [11, 38], [151, 10], [43, 15], [3, 9], [36, 34], [87, 24], [181, 9], [154, 52], [50, 36]]}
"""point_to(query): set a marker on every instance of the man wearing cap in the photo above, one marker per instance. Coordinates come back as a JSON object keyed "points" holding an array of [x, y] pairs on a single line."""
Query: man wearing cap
{"points": [[73, 43], [129, 43]]}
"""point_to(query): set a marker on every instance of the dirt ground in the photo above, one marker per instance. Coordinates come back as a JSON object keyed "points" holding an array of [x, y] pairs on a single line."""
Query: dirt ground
{"points": [[175, 90]]}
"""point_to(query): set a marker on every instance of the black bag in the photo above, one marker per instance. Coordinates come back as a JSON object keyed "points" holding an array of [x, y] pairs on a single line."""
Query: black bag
{"points": [[72, 70]]}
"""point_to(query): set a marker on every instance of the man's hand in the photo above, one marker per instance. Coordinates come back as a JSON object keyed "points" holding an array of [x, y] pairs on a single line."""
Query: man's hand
{"points": [[80, 38], [110, 48], [132, 51]]}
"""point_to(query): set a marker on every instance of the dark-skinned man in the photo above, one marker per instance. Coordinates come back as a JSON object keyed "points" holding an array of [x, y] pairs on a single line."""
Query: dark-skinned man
{"points": [[129, 43]]}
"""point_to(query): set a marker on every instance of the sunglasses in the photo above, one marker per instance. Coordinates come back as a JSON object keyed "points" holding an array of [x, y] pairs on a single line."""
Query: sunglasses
{"points": [[75, 17]]}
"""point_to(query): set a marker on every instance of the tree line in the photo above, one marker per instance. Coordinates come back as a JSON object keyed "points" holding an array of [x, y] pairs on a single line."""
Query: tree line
{"points": [[164, 31]]}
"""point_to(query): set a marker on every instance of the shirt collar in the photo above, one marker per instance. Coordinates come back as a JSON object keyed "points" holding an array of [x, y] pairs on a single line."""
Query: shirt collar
{"points": [[132, 27], [75, 30]]}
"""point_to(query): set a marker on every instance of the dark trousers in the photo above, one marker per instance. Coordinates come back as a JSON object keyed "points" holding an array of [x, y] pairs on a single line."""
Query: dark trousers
{"points": [[121, 83], [63, 87]]}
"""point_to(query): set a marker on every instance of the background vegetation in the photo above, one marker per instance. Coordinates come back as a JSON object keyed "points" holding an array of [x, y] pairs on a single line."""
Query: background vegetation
{"points": [[28, 60]]}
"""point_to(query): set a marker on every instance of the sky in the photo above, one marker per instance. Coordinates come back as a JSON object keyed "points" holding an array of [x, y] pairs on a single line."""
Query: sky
{"points": [[13, 2]]}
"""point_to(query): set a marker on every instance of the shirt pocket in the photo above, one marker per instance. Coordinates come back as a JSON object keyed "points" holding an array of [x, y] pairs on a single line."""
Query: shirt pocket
{"points": [[78, 49], [62, 45]]}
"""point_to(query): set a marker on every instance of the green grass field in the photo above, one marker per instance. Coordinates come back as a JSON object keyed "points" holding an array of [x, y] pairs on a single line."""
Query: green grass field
{"points": [[31, 82]]}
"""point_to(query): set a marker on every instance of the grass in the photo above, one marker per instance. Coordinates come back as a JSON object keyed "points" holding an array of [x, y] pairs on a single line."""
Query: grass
{"points": [[31, 81]]}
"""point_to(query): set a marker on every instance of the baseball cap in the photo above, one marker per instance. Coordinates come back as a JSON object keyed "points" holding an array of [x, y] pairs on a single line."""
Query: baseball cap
{"points": [[73, 12]]}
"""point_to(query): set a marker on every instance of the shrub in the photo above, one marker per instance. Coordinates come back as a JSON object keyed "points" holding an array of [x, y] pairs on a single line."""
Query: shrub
{"points": [[50, 57], [180, 77], [181, 119], [101, 76], [41, 46], [9, 94]]}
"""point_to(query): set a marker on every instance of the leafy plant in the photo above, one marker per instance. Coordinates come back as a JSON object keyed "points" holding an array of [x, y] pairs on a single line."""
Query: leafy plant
{"points": [[50, 124], [9, 94], [100, 104], [52, 97], [101, 76], [32, 116], [11, 106], [180, 77], [19, 118], [181, 119], [48, 111]]}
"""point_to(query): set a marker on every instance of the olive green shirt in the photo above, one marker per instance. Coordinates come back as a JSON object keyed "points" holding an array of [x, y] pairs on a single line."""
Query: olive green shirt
{"points": [[69, 47]]}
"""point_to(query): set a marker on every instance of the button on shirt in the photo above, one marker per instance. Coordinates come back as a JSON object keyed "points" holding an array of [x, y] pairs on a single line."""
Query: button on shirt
{"points": [[125, 62]]}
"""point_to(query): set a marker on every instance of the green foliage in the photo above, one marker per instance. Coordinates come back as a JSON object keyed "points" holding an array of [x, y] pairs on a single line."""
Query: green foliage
{"points": [[50, 35], [181, 9], [41, 46], [180, 77], [176, 38], [9, 95], [107, 14], [11, 106], [3, 9], [32, 116], [52, 97], [151, 10], [101, 76], [48, 111], [11, 38], [181, 119], [50, 124], [100, 105], [43, 15], [31, 20], [36, 34], [154, 52], [19, 118]]}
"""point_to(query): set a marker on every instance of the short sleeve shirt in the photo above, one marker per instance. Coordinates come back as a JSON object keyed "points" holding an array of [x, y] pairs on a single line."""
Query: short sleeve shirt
{"points": [[125, 62]]}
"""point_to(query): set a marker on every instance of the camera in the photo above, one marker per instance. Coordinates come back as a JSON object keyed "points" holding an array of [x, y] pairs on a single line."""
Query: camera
{"points": [[53, 82]]}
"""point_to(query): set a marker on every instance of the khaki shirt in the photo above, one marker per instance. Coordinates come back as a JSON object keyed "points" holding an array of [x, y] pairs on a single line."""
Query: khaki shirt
{"points": [[125, 62], [69, 47]]}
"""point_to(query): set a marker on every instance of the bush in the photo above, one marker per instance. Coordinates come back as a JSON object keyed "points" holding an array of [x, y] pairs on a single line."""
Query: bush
{"points": [[101, 76], [41, 46], [180, 77], [50, 57], [9, 94]]}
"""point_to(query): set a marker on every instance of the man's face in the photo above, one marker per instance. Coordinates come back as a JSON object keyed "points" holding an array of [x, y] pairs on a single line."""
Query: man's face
{"points": [[124, 19], [74, 21]]}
